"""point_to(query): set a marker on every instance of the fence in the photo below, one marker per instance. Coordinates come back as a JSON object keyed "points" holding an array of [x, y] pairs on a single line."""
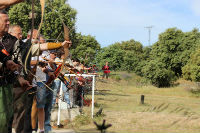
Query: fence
{"points": [[93, 87]]}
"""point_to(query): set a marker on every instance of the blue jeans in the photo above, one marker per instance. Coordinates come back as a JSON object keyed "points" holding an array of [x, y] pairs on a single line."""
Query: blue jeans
{"points": [[47, 109], [41, 95], [56, 87]]}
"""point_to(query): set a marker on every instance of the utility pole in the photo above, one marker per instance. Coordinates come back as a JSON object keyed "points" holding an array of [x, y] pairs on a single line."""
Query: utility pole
{"points": [[149, 29]]}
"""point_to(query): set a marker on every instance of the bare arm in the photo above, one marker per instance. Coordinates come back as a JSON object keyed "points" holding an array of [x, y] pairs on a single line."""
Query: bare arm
{"points": [[6, 3]]}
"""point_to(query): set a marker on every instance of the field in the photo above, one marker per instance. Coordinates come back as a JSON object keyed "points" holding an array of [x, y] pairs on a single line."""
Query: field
{"points": [[165, 110]]}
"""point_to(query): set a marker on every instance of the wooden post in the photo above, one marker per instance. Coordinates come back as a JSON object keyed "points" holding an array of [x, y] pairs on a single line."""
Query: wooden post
{"points": [[142, 99]]}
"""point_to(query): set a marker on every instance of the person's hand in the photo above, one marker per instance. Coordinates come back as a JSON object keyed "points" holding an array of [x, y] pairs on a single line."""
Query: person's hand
{"points": [[51, 75], [24, 83], [67, 44], [10, 65], [51, 61]]}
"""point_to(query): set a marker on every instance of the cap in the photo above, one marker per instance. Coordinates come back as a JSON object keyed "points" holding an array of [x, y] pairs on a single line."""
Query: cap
{"points": [[52, 51]]}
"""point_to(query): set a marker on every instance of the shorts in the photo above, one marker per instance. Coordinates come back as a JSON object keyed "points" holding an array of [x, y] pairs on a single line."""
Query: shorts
{"points": [[41, 95]]}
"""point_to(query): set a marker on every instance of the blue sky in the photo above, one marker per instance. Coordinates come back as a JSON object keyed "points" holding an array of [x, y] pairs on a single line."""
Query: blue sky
{"points": [[113, 21]]}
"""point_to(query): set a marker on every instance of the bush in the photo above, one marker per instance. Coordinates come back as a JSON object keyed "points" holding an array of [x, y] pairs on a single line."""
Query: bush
{"points": [[117, 78], [191, 71], [159, 76]]}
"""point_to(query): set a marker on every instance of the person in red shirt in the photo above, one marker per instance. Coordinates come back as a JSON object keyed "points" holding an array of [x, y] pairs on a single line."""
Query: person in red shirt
{"points": [[106, 70]]}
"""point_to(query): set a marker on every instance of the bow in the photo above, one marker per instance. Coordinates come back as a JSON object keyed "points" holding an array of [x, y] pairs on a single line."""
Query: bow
{"points": [[66, 48], [66, 37], [58, 75], [42, 2], [58, 72]]}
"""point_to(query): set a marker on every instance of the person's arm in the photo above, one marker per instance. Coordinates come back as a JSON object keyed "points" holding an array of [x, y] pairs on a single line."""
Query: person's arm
{"points": [[24, 83], [48, 46], [6, 3]]}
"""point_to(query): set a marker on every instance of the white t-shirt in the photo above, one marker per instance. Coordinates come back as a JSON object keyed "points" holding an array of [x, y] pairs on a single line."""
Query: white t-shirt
{"points": [[41, 76]]}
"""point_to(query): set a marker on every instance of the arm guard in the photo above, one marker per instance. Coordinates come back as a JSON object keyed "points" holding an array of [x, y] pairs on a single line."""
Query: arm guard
{"points": [[54, 45]]}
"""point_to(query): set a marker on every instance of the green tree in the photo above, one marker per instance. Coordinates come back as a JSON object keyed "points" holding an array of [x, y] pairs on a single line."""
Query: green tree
{"points": [[86, 49], [111, 55], [52, 25], [174, 48], [167, 49], [156, 72], [191, 71], [126, 55], [131, 45], [190, 42]]}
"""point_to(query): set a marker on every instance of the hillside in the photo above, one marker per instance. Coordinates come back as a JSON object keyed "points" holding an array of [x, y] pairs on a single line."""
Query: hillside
{"points": [[165, 110]]}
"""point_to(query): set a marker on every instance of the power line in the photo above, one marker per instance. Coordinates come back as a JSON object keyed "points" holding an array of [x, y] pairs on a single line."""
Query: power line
{"points": [[149, 29]]}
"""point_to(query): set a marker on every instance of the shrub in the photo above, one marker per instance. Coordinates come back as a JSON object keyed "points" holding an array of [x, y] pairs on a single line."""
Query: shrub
{"points": [[117, 78], [156, 72], [191, 71]]}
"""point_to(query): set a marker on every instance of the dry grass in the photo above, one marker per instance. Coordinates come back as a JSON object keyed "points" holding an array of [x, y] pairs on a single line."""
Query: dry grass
{"points": [[166, 110]]}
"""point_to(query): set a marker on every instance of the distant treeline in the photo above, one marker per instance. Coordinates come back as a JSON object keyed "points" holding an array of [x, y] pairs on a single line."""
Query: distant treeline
{"points": [[176, 54]]}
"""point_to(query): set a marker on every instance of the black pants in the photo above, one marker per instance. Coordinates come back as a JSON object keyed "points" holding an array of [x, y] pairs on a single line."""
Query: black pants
{"points": [[80, 96], [10, 125], [106, 74], [22, 112]]}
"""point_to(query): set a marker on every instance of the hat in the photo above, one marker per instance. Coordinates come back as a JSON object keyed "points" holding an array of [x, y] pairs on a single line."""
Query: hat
{"points": [[52, 51]]}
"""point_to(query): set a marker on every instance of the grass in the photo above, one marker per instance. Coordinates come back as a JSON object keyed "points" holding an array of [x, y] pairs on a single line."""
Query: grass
{"points": [[166, 110]]}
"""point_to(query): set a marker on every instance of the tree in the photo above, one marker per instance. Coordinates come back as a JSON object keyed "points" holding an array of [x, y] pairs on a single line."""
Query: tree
{"points": [[126, 55], [190, 42], [169, 54], [86, 49], [129, 61], [156, 72], [52, 25], [191, 71], [111, 55], [174, 48], [167, 49]]}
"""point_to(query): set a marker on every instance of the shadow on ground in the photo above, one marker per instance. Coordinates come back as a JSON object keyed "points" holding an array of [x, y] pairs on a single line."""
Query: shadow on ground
{"points": [[90, 131], [105, 93]]}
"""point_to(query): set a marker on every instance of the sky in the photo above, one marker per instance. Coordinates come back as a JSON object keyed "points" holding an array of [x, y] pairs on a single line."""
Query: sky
{"points": [[113, 21]]}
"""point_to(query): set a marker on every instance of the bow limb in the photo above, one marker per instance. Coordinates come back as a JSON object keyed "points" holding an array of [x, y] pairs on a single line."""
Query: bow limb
{"points": [[32, 27], [66, 48], [80, 77], [42, 2]]}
